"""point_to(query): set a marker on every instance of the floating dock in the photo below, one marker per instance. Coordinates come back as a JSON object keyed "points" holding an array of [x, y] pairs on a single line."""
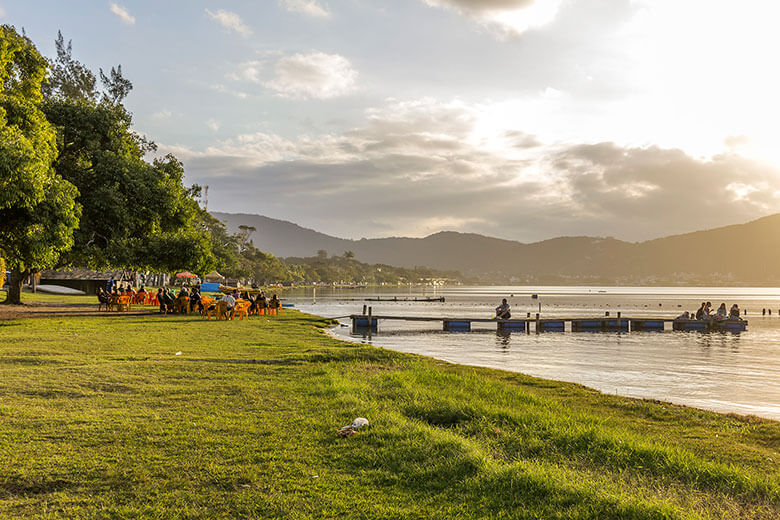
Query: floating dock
{"points": [[367, 322]]}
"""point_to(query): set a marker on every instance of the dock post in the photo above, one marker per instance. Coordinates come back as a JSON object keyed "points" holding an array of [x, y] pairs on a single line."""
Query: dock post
{"points": [[618, 321], [370, 324], [364, 309], [537, 322]]}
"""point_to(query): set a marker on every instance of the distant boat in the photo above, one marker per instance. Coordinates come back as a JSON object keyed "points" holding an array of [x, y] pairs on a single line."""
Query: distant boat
{"points": [[602, 291], [59, 289]]}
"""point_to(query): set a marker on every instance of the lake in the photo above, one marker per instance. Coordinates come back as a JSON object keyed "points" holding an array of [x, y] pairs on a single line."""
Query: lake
{"points": [[725, 372]]}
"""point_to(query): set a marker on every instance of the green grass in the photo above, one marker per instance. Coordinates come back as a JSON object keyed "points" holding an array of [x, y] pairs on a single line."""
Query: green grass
{"points": [[99, 418]]}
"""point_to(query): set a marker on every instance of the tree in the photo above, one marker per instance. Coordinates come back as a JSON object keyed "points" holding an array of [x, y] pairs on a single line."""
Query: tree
{"points": [[136, 214], [322, 254], [117, 87], [349, 254], [38, 212], [69, 79]]}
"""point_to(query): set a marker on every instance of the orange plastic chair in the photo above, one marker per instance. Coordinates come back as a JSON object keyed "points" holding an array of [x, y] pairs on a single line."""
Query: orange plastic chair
{"points": [[242, 310], [206, 302], [222, 312], [124, 303], [182, 305]]}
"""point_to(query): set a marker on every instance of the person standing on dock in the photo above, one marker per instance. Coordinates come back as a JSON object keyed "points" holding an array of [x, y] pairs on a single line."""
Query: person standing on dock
{"points": [[502, 311]]}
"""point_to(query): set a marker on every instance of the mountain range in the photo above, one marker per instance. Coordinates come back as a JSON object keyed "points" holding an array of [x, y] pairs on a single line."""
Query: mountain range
{"points": [[740, 254]]}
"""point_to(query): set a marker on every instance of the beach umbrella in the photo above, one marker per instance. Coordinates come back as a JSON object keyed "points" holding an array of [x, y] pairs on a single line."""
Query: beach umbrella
{"points": [[185, 274]]}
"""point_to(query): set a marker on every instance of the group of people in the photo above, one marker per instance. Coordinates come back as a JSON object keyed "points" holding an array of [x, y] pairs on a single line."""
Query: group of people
{"points": [[189, 299], [115, 290], [705, 313], [256, 304], [186, 301]]}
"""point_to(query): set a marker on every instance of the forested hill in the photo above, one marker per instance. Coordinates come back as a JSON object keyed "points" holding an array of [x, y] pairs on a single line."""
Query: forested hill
{"points": [[739, 254]]}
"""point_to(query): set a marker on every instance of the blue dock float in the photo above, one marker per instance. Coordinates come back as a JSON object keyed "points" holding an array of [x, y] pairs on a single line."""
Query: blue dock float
{"points": [[548, 325], [600, 325], [616, 325], [648, 325], [710, 325], [513, 326], [457, 325], [361, 322]]}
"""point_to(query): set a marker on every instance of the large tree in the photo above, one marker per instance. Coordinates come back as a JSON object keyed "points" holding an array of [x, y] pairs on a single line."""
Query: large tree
{"points": [[38, 212], [136, 214]]}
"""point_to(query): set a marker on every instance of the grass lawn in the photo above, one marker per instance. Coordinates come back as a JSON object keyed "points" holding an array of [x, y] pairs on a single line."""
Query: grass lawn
{"points": [[100, 418]]}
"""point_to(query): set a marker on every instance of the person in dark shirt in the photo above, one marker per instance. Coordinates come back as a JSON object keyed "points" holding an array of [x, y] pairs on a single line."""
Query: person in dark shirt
{"points": [[502, 311], [195, 300], [701, 313]]}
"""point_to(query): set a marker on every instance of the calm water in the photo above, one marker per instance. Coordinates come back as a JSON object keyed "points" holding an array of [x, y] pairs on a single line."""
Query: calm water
{"points": [[717, 371]]}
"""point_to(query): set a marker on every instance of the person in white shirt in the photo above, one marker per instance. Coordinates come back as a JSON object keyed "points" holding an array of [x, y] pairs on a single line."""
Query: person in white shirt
{"points": [[231, 302]]}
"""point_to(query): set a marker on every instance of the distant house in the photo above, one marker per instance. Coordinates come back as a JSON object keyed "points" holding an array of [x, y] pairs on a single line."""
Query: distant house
{"points": [[84, 279], [214, 277]]}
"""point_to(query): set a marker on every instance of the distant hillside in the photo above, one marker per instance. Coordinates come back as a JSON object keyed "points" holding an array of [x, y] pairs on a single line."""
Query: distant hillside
{"points": [[740, 254]]}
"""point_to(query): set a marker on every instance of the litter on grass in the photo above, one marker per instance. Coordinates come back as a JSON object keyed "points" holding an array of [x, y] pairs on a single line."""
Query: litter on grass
{"points": [[347, 431]]}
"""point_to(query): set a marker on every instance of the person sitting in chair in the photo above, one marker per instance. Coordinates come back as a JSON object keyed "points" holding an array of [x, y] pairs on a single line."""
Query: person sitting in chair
{"points": [[231, 302], [103, 297], [502, 311]]}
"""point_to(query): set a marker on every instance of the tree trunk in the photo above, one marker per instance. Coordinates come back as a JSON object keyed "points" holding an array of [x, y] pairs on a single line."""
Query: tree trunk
{"points": [[14, 283]]}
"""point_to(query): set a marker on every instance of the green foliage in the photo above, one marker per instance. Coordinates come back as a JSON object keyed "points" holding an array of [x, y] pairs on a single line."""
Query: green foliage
{"points": [[38, 212], [345, 269], [242, 425], [69, 79], [27, 141]]}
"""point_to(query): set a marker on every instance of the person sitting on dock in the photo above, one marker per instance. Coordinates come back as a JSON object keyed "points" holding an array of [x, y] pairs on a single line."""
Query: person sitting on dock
{"points": [[502, 311], [734, 312], [701, 314], [684, 316], [722, 313]]}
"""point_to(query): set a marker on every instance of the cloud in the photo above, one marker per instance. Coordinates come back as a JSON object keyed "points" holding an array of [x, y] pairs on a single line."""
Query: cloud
{"points": [[315, 75], [123, 14], [307, 7], [230, 21], [248, 71], [213, 124], [415, 167], [2, 12], [162, 115], [222, 89], [507, 17]]}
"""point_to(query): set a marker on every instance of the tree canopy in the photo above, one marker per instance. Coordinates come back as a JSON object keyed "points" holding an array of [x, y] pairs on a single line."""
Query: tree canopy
{"points": [[38, 210], [136, 214]]}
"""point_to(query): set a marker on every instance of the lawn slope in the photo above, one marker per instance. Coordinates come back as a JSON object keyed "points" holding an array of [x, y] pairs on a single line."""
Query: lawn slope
{"points": [[100, 418]]}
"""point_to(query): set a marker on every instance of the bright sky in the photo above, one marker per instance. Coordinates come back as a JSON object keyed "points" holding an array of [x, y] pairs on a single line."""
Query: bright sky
{"points": [[520, 119]]}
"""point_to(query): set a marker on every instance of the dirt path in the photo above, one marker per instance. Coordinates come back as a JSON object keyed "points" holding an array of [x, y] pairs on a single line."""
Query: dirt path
{"points": [[51, 310]]}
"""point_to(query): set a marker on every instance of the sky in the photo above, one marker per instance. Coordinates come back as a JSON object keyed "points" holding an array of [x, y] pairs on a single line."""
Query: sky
{"points": [[520, 119]]}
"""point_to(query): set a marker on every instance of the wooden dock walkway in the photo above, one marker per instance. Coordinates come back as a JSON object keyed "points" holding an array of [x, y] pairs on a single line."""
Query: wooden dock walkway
{"points": [[528, 324]]}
